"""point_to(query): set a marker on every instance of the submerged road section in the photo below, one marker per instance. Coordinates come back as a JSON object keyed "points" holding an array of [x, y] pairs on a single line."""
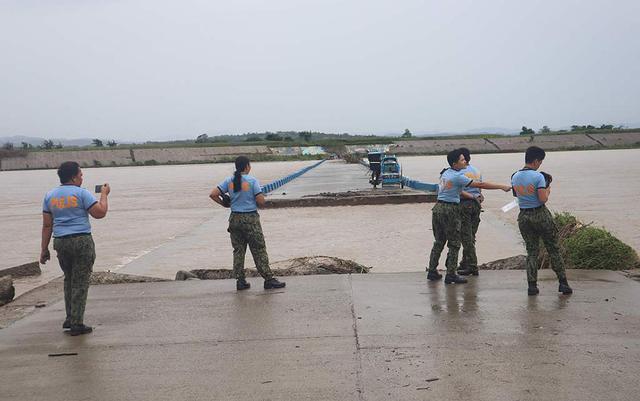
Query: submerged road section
{"points": [[336, 183], [338, 337]]}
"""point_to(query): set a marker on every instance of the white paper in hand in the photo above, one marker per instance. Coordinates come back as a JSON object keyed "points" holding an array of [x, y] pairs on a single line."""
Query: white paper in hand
{"points": [[509, 205]]}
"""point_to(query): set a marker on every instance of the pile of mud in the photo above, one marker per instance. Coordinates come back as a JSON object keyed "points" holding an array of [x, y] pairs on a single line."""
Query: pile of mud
{"points": [[354, 198], [369, 192], [290, 267], [633, 274], [518, 262]]}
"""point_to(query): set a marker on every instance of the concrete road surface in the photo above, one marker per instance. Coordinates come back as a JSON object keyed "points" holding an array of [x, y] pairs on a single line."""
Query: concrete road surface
{"points": [[330, 176], [361, 337]]}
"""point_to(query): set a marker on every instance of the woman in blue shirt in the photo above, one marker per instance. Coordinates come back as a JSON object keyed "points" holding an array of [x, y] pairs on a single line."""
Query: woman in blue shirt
{"points": [[244, 197], [65, 214]]}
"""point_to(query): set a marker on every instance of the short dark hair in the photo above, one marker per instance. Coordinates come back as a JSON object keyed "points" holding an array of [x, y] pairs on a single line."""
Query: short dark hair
{"points": [[453, 156], [466, 154], [67, 171], [534, 153]]}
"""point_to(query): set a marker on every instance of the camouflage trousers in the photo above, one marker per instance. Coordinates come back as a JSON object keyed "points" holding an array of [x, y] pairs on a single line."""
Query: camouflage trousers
{"points": [[245, 229], [76, 256], [446, 223], [535, 225], [470, 215]]}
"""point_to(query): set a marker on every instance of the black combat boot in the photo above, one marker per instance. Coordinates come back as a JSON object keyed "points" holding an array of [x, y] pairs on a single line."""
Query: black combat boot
{"points": [[433, 275], [454, 278], [533, 288], [273, 283], [79, 329], [241, 284], [66, 324], [564, 287], [467, 271]]}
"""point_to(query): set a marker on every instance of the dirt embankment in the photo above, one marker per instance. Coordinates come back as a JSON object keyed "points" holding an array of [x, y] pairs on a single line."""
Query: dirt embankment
{"points": [[22, 160], [144, 157]]}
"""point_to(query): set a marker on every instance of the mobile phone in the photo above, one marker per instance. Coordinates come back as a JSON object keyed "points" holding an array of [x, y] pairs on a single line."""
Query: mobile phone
{"points": [[98, 189]]}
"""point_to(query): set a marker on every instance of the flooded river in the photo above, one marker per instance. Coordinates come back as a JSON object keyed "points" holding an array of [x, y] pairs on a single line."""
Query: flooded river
{"points": [[161, 219]]}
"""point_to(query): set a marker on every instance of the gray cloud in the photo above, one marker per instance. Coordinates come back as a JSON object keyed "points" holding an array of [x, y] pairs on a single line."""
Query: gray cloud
{"points": [[166, 69]]}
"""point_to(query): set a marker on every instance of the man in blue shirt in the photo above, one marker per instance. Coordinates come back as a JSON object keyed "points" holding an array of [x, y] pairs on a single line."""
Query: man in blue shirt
{"points": [[470, 209], [446, 221], [532, 188], [65, 214]]}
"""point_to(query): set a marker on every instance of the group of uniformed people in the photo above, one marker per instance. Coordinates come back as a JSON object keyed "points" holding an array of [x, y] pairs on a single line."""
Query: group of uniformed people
{"points": [[456, 217]]}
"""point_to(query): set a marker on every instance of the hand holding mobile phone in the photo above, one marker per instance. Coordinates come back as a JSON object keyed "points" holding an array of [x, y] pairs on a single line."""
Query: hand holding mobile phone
{"points": [[98, 189]]}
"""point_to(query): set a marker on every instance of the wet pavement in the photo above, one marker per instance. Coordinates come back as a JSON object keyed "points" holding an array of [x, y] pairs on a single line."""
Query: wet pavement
{"points": [[331, 176], [360, 337]]}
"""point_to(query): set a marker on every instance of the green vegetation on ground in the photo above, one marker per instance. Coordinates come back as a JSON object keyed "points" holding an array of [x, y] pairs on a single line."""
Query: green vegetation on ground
{"points": [[584, 246]]}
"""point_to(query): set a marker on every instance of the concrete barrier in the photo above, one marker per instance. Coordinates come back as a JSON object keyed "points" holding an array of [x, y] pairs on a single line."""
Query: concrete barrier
{"points": [[190, 155], [547, 142], [127, 157], [627, 139], [440, 146], [25, 270], [86, 158]]}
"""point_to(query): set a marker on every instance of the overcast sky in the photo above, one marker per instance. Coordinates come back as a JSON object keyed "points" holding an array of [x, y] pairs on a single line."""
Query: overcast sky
{"points": [[160, 69]]}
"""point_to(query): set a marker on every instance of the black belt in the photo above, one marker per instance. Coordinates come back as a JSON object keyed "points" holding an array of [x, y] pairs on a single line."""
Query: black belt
{"points": [[448, 203], [255, 211], [467, 200], [73, 235], [531, 208]]}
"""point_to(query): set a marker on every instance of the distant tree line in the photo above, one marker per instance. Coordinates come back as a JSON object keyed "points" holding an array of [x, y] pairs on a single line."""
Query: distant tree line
{"points": [[574, 128], [98, 143], [298, 137], [278, 136]]}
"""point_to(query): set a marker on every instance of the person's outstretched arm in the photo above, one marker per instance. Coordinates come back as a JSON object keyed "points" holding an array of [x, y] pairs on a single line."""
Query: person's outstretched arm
{"points": [[490, 185]]}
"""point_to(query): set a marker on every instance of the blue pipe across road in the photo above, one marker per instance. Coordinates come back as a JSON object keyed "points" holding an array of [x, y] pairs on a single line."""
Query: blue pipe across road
{"points": [[278, 183], [419, 185]]}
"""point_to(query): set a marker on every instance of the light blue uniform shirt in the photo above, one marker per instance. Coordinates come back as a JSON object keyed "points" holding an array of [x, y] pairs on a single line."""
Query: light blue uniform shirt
{"points": [[69, 205], [526, 184], [242, 201], [452, 182], [472, 173]]}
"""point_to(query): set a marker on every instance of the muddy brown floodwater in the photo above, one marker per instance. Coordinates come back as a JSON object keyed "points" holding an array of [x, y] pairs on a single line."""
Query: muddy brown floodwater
{"points": [[599, 186], [161, 220]]}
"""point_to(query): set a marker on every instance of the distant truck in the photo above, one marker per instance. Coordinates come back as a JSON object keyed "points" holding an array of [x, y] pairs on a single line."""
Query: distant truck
{"points": [[391, 172], [385, 170]]}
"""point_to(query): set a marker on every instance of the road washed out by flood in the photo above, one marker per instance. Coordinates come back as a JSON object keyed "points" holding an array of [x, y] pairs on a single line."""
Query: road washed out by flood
{"points": [[161, 219]]}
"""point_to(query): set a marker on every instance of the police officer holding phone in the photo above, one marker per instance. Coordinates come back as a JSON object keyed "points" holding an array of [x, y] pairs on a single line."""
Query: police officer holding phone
{"points": [[65, 215]]}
